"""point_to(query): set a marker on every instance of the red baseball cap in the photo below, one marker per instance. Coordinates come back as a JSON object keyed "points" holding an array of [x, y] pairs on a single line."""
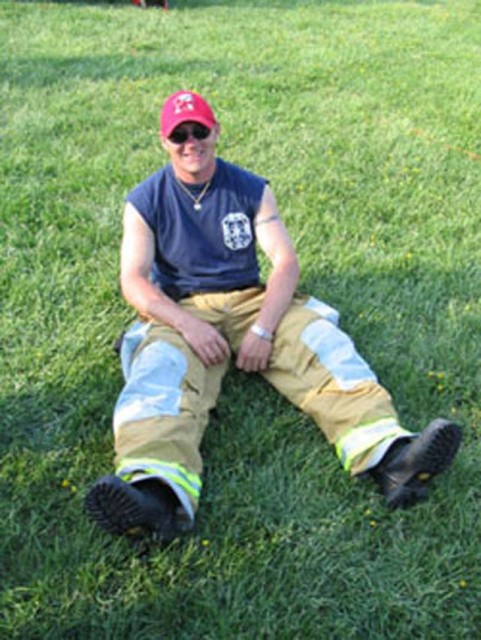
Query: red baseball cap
{"points": [[185, 106]]}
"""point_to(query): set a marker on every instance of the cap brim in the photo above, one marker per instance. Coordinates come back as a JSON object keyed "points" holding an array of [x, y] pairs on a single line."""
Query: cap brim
{"points": [[207, 122]]}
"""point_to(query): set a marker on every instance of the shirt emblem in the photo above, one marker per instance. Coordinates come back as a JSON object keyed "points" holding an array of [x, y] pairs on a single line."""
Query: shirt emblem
{"points": [[237, 231]]}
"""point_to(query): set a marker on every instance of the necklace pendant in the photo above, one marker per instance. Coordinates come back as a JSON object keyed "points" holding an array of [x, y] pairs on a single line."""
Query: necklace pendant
{"points": [[197, 206]]}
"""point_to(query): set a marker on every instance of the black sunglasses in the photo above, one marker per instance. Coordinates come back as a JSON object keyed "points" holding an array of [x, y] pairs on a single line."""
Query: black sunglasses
{"points": [[198, 131]]}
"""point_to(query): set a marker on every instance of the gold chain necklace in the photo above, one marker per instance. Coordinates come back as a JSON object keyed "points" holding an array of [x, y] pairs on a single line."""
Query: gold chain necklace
{"points": [[195, 200]]}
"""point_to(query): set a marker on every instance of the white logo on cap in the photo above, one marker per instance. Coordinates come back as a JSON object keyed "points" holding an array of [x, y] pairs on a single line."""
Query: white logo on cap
{"points": [[184, 102]]}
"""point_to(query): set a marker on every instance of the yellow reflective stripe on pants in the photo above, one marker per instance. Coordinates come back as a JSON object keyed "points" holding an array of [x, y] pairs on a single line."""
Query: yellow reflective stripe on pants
{"points": [[186, 486], [366, 437], [190, 482]]}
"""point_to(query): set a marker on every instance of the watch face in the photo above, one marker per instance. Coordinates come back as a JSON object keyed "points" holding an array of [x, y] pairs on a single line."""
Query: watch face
{"points": [[261, 333]]}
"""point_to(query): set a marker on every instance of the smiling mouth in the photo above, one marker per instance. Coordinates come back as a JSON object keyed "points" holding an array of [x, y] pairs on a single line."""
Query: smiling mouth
{"points": [[196, 155]]}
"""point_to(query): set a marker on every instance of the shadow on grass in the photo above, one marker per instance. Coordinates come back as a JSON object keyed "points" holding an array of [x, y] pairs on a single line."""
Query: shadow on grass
{"points": [[52, 416], [45, 72], [180, 5], [282, 4]]}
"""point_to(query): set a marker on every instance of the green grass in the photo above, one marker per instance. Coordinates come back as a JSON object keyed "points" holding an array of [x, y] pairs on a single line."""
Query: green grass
{"points": [[365, 117]]}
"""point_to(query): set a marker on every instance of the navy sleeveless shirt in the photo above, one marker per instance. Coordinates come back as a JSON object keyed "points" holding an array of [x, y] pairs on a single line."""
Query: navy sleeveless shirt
{"points": [[212, 249]]}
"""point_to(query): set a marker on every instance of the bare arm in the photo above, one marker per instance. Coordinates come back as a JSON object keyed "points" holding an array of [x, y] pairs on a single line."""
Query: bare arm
{"points": [[274, 240], [137, 256]]}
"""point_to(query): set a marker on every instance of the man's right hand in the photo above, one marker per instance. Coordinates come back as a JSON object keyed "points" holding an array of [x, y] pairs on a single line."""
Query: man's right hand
{"points": [[205, 340]]}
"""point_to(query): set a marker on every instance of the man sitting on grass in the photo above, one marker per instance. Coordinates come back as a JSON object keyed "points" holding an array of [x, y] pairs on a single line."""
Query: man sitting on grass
{"points": [[189, 267]]}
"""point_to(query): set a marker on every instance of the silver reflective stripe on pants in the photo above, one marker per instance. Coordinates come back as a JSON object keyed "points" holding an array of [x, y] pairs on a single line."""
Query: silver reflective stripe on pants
{"points": [[154, 384], [336, 352], [130, 341], [323, 309]]}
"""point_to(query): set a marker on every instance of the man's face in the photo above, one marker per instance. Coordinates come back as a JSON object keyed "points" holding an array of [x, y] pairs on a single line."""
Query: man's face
{"points": [[191, 147]]}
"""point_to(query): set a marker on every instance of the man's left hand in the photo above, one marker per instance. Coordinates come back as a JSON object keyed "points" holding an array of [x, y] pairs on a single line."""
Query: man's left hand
{"points": [[254, 353]]}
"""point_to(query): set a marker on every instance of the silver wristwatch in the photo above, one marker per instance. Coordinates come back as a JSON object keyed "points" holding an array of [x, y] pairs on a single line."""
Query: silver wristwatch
{"points": [[261, 332]]}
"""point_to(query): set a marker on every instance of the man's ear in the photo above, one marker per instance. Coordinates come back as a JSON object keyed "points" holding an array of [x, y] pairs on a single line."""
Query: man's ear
{"points": [[216, 129], [163, 142]]}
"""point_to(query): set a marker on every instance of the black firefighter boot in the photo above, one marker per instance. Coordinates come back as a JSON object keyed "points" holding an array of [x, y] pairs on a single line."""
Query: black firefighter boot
{"points": [[410, 463], [144, 508]]}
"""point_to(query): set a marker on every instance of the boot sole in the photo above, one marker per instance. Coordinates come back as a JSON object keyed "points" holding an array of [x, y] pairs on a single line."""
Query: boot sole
{"points": [[114, 506], [433, 452]]}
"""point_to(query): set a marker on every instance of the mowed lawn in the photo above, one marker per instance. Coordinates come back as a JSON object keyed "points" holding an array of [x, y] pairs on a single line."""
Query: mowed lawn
{"points": [[365, 117]]}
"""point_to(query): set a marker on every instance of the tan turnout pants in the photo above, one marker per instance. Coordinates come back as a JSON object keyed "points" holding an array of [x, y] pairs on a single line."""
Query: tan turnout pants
{"points": [[163, 410]]}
